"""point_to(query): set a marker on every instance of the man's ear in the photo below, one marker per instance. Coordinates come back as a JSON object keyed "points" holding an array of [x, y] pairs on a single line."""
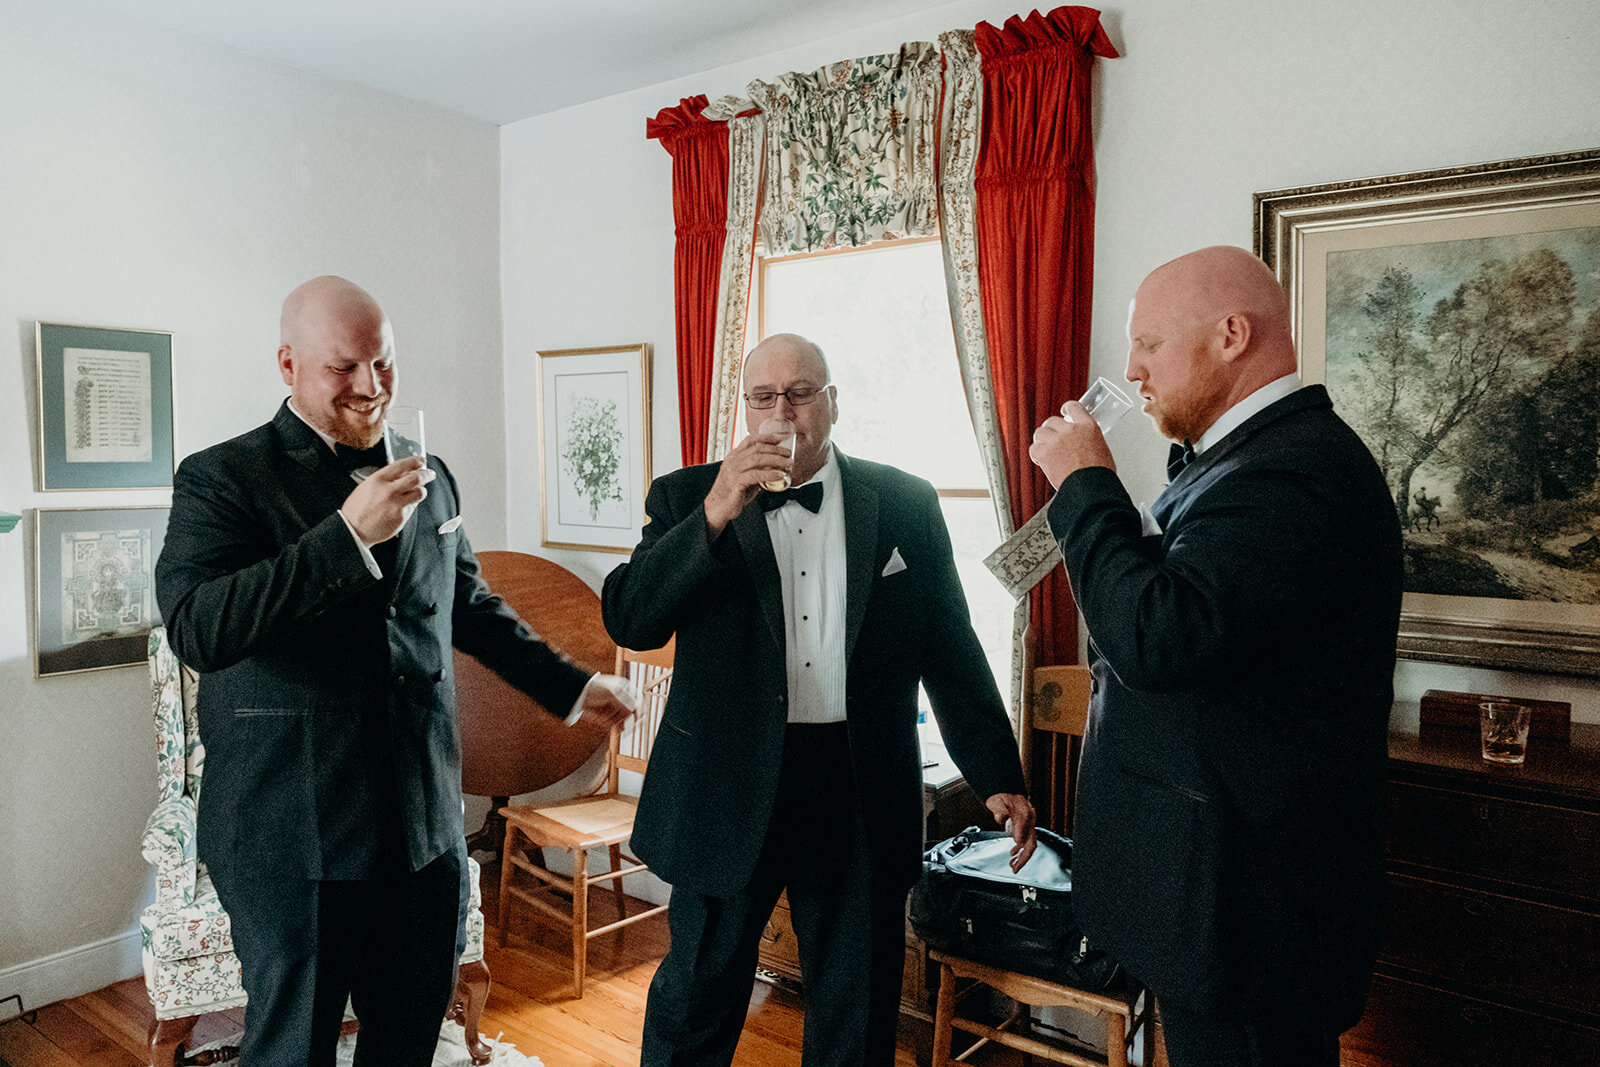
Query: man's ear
{"points": [[1233, 334], [286, 365]]}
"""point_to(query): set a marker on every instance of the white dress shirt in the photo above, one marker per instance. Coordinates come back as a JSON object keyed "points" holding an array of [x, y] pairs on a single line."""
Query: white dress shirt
{"points": [[811, 569], [1235, 416]]}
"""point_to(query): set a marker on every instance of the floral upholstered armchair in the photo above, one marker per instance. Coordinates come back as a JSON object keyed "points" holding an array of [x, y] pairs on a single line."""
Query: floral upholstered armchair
{"points": [[190, 969]]}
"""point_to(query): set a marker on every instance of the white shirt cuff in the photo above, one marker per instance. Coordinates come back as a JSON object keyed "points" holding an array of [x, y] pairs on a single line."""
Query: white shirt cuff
{"points": [[618, 686], [366, 553]]}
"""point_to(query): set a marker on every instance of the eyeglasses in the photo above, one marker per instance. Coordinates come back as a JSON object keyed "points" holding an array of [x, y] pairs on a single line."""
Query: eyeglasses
{"points": [[799, 396]]}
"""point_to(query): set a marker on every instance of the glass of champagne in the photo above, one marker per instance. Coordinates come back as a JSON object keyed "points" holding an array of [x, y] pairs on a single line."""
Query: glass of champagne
{"points": [[786, 428]]}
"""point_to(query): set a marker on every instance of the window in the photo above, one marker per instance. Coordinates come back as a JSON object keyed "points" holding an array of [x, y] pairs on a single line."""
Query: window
{"points": [[882, 318]]}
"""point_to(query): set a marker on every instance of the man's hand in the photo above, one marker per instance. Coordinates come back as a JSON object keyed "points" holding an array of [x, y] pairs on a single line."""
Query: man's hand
{"points": [[1063, 446], [1015, 812], [376, 509], [607, 701], [758, 458]]}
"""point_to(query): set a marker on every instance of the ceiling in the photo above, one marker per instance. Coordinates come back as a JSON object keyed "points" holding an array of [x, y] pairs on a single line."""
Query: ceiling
{"points": [[504, 60]]}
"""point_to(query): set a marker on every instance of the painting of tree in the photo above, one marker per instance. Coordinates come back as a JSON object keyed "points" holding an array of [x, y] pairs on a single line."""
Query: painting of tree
{"points": [[1472, 370], [591, 449], [591, 454]]}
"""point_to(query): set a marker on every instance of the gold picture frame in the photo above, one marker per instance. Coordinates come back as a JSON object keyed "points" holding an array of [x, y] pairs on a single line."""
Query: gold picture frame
{"points": [[594, 446], [1445, 309]]}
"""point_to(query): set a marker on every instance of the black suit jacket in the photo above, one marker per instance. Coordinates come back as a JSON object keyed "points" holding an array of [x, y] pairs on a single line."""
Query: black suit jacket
{"points": [[713, 775], [1243, 665], [327, 701]]}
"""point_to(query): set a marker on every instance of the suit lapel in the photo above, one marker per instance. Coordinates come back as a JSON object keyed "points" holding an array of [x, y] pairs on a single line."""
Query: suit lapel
{"points": [[1181, 488], [756, 542], [860, 548], [303, 446]]}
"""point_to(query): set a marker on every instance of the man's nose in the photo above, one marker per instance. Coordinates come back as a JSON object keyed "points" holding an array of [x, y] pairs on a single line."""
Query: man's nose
{"points": [[364, 380], [783, 409]]}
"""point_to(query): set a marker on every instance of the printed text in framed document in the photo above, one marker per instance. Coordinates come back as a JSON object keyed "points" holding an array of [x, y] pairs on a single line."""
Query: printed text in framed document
{"points": [[594, 446], [94, 586], [1455, 317], [105, 407]]}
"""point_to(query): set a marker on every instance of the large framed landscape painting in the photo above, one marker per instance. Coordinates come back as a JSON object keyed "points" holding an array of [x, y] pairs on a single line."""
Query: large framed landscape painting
{"points": [[1455, 317]]}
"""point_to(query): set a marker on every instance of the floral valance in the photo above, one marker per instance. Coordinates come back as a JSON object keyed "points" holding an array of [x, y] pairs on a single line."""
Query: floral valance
{"points": [[850, 151]]}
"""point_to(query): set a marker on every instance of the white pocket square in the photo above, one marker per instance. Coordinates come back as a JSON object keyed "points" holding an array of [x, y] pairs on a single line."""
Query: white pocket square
{"points": [[450, 526], [895, 564]]}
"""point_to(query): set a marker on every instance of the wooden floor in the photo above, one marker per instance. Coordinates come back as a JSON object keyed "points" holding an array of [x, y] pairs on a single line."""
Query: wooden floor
{"points": [[530, 1005]]}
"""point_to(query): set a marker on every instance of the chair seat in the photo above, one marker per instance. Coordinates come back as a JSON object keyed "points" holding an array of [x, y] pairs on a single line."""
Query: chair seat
{"points": [[197, 929], [582, 823]]}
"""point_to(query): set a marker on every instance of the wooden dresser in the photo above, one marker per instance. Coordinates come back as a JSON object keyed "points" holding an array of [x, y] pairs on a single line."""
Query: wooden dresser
{"points": [[1491, 951]]}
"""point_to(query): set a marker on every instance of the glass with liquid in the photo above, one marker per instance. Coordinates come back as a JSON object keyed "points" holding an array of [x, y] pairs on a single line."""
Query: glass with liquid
{"points": [[785, 428]]}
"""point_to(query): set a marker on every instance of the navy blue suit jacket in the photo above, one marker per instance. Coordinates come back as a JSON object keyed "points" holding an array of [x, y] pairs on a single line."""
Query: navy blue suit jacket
{"points": [[1243, 674], [327, 699], [713, 776]]}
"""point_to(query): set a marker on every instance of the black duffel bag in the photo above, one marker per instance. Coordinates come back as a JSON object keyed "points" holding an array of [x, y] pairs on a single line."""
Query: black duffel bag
{"points": [[970, 903]]}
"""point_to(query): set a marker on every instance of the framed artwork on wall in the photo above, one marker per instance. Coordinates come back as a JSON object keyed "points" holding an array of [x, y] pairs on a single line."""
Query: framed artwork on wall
{"points": [[594, 446], [94, 586], [1455, 317], [105, 407]]}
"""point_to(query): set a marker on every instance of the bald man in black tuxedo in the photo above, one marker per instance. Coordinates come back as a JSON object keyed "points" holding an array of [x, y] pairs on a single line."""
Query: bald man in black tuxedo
{"points": [[1227, 846]]}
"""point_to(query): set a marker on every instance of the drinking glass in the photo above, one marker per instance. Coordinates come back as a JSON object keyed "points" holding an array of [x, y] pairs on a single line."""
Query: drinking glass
{"points": [[1105, 403], [402, 433], [785, 427], [1503, 727]]}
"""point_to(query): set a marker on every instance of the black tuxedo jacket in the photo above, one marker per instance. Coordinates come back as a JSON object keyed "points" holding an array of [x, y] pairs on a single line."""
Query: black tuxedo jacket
{"points": [[1243, 666], [713, 776], [327, 701]]}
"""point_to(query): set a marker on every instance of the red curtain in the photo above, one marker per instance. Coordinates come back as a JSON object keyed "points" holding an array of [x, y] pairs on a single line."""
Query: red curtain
{"points": [[1035, 229], [699, 150]]}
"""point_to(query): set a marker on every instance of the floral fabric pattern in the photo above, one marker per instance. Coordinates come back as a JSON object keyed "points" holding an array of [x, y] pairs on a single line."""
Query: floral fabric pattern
{"points": [[850, 150]]}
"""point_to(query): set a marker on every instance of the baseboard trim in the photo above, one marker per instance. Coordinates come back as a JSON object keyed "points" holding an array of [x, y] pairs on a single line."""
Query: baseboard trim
{"points": [[73, 972]]}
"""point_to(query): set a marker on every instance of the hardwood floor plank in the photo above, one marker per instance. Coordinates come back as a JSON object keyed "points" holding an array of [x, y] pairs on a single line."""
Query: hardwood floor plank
{"points": [[80, 1039], [23, 1046]]}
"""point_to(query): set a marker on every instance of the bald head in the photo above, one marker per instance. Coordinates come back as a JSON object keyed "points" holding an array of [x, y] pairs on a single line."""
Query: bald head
{"points": [[1206, 330], [799, 352], [1213, 283], [336, 355], [311, 305]]}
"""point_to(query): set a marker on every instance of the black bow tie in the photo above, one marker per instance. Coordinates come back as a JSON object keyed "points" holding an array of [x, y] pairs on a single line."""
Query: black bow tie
{"points": [[1178, 458], [356, 458], [808, 496]]}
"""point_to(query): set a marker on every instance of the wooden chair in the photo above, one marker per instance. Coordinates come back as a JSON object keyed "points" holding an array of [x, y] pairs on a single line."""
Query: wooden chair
{"points": [[1058, 702], [600, 820]]}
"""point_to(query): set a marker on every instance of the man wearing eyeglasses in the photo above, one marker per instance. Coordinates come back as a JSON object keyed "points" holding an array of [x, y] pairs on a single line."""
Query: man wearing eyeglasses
{"points": [[788, 758]]}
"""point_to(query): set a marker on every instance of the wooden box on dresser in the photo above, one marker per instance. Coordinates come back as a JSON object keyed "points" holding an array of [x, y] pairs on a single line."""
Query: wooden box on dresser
{"points": [[1491, 948]]}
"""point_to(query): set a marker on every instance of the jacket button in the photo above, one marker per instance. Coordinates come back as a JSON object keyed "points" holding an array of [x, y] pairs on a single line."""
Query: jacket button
{"points": [[393, 611], [782, 697], [399, 681]]}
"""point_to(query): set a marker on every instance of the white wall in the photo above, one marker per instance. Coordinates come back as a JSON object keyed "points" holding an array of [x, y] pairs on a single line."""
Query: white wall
{"points": [[1210, 102], [150, 180]]}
